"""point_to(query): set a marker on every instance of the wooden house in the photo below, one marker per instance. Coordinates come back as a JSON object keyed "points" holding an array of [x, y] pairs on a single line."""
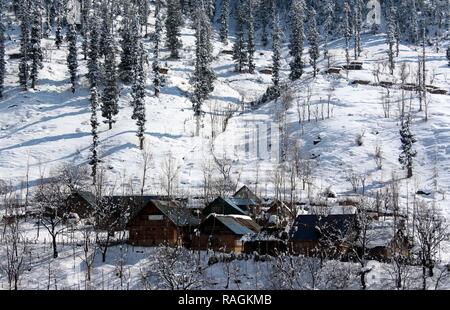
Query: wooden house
{"points": [[310, 233], [265, 243], [246, 193], [222, 206], [161, 222], [81, 202], [224, 232]]}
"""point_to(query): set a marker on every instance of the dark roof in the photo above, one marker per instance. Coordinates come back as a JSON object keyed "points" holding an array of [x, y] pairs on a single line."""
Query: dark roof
{"points": [[243, 202], [88, 197], [172, 209], [236, 224], [307, 227], [228, 207], [245, 193]]}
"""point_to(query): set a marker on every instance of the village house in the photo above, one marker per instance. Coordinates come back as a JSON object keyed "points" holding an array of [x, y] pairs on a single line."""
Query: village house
{"points": [[313, 233], [266, 242], [223, 206], [158, 222], [224, 233]]}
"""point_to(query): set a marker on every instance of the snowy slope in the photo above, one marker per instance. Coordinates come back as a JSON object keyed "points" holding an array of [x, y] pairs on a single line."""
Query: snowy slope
{"points": [[50, 126]]}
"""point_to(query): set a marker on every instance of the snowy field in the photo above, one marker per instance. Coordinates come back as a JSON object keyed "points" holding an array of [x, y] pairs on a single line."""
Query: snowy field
{"points": [[42, 129]]}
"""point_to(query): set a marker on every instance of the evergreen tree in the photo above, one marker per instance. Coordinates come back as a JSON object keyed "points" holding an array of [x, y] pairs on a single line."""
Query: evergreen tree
{"points": [[276, 57], [204, 77], [297, 38], [24, 68], [313, 38], [93, 159], [251, 49], [391, 29], [413, 22], [2, 50], [329, 8], [265, 13], [240, 55], [157, 42], [347, 29], [174, 21], [93, 53], [58, 34], [408, 153], [129, 33], [138, 94], [72, 61], [110, 96], [35, 44], [357, 22], [224, 15], [106, 14]]}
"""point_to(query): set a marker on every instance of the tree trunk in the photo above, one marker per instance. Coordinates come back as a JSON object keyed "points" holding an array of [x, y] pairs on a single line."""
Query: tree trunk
{"points": [[55, 252]]}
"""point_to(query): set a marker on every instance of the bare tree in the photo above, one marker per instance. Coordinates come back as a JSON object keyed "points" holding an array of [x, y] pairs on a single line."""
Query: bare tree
{"points": [[431, 229], [169, 175], [51, 201]]}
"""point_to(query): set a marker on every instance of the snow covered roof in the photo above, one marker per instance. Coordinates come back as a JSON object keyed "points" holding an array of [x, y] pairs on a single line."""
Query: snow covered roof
{"points": [[238, 224]]}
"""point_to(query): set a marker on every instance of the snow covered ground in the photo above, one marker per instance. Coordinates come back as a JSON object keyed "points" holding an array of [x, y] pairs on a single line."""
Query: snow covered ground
{"points": [[48, 127]]}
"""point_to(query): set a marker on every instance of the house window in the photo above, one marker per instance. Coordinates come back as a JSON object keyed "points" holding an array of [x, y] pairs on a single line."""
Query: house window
{"points": [[155, 217]]}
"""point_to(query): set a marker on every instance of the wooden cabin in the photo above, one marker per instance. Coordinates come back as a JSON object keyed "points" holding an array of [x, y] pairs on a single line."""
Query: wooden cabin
{"points": [[222, 206], [224, 233], [310, 232], [334, 70], [161, 222], [81, 202]]}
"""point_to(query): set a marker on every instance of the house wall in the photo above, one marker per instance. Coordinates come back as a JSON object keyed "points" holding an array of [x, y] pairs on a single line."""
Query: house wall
{"points": [[218, 242], [146, 232]]}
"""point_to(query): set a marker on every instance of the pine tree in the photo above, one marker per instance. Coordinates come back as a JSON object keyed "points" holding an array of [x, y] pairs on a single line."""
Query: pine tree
{"points": [[240, 55], [128, 57], [224, 15], [138, 94], [157, 42], [313, 38], [174, 21], [357, 22], [93, 53], [72, 60], [276, 57], [58, 34], [329, 8], [2, 50], [93, 158], [204, 76], [85, 8], [35, 44], [297, 39], [408, 153], [110, 96], [347, 28], [106, 14], [413, 22], [265, 13], [251, 49], [391, 29], [24, 68]]}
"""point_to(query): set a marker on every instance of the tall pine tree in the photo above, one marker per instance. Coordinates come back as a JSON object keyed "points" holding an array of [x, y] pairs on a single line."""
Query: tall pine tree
{"points": [[35, 43], [224, 15], [240, 55], [276, 57], [391, 30], [72, 57], [174, 21], [408, 153], [110, 96], [24, 67], [297, 38], [93, 158], [129, 34], [251, 49], [156, 47], [204, 77], [347, 29], [138, 94], [313, 38]]}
